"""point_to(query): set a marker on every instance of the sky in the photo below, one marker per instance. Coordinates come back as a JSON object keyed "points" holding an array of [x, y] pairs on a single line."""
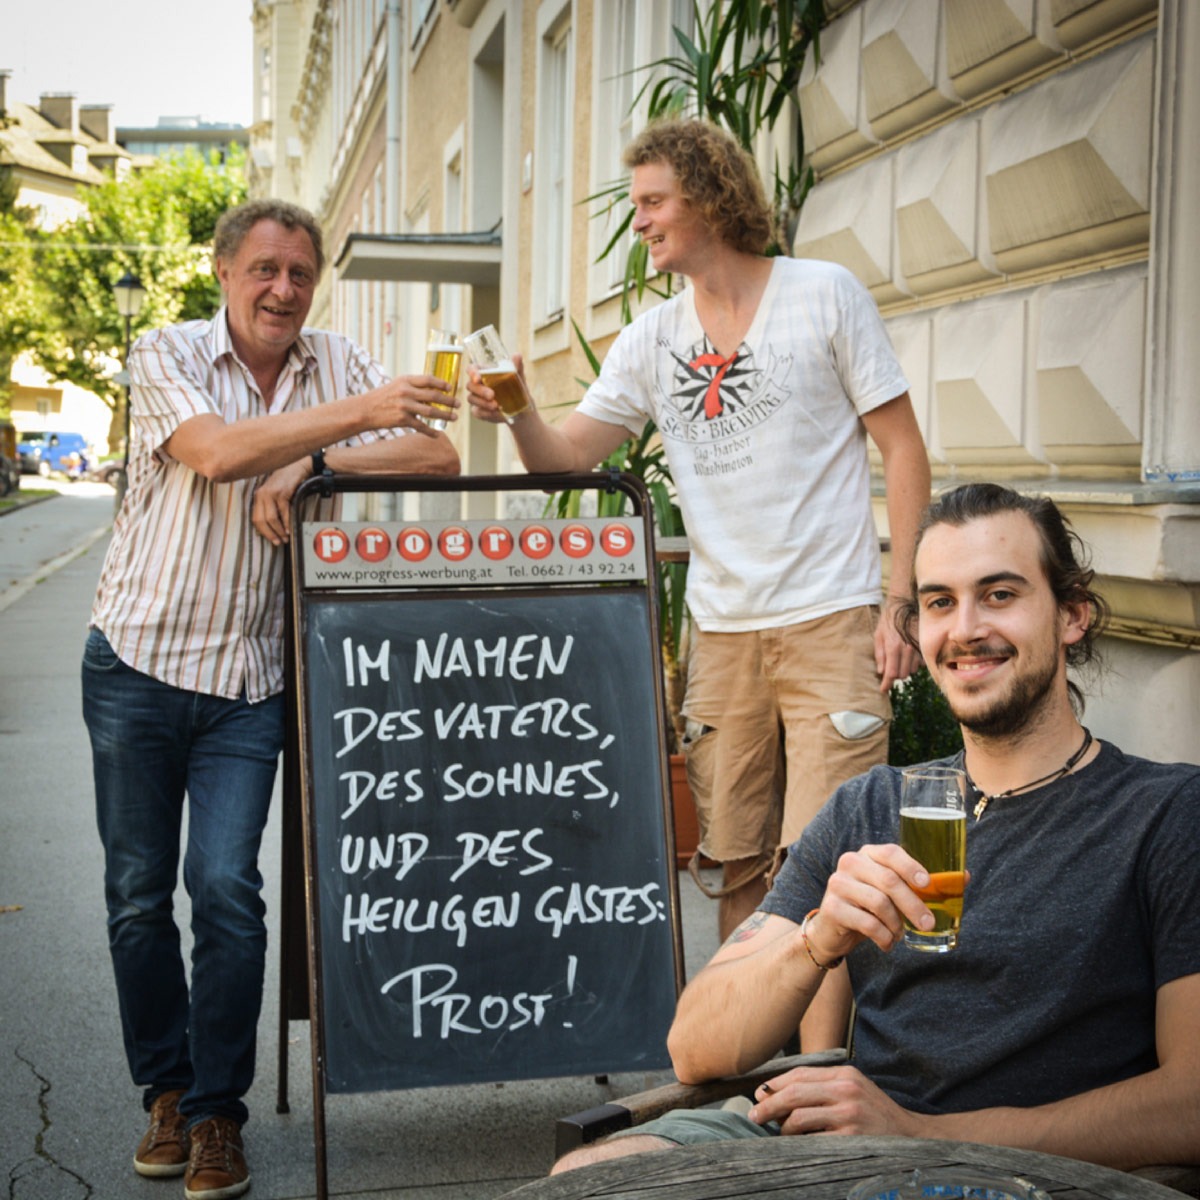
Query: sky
{"points": [[147, 58]]}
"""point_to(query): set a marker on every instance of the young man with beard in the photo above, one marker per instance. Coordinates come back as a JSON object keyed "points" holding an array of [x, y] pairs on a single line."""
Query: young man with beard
{"points": [[1067, 1019]]}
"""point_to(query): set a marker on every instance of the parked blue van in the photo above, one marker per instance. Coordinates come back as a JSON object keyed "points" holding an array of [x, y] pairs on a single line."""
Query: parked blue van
{"points": [[46, 450]]}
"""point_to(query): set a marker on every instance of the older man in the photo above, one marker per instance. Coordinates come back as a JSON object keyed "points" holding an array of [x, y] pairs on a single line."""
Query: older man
{"points": [[1067, 1020], [183, 669]]}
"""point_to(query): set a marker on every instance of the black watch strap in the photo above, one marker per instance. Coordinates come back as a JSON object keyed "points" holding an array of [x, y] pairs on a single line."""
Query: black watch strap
{"points": [[318, 463]]}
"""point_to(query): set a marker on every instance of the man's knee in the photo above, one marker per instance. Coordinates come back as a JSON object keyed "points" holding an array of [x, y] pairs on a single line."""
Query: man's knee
{"points": [[617, 1147]]}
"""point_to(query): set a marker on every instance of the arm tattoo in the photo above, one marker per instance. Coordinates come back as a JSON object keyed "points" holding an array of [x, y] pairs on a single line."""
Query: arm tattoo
{"points": [[748, 928]]}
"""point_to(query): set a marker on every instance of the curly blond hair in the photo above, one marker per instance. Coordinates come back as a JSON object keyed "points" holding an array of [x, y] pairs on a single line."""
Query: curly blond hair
{"points": [[716, 176]]}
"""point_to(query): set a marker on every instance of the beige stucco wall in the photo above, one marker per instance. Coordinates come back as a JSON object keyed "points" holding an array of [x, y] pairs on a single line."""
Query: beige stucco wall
{"points": [[999, 175], [989, 171]]}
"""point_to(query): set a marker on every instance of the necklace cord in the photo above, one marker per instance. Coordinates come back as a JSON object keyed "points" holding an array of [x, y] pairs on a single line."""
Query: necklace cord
{"points": [[1065, 769]]}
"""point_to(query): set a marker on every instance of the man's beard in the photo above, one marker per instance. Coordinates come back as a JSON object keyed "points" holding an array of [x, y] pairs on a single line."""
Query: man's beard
{"points": [[1019, 708]]}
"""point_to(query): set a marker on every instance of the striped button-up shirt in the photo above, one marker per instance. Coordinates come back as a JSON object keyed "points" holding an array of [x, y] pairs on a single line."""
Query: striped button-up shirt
{"points": [[191, 594]]}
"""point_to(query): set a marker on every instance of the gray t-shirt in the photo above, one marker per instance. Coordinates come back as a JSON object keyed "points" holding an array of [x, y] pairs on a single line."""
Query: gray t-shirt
{"points": [[1084, 899]]}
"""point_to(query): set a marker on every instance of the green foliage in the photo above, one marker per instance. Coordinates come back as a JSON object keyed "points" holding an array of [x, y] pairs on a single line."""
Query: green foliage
{"points": [[158, 224], [743, 68], [923, 727], [22, 291]]}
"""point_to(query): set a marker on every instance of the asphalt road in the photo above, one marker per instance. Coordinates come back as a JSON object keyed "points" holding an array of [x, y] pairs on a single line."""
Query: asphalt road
{"points": [[69, 1116]]}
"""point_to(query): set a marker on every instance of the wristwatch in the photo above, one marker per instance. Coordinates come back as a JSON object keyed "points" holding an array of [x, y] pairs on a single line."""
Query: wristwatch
{"points": [[318, 463]]}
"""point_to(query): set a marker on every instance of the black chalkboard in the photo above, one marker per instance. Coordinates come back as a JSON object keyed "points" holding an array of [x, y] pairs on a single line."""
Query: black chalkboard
{"points": [[493, 889]]}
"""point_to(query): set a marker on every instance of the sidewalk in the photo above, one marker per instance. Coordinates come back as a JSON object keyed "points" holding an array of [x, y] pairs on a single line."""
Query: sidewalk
{"points": [[69, 1117], [38, 537]]}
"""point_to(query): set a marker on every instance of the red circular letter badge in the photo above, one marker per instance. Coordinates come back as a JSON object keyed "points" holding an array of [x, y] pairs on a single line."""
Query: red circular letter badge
{"points": [[331, 545], [454, 543], [576, 541], [373, 545], [616, 540], [536, 541], [496, 542], [414, 544]]}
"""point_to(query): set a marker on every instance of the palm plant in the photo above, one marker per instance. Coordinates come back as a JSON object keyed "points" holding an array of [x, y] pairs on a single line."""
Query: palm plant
{"points": [[741, 71]]}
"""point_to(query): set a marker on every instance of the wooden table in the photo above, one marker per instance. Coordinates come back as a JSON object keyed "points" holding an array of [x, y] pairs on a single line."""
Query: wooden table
{"points": [[825, 1168]]}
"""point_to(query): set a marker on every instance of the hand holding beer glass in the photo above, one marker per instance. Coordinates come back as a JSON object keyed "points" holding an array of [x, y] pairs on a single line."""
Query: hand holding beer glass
{"points": [[933, 829], [443, 358], [497, 371]]}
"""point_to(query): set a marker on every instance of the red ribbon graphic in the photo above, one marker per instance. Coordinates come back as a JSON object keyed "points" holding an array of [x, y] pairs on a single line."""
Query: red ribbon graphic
{"points": [[712, 396]]}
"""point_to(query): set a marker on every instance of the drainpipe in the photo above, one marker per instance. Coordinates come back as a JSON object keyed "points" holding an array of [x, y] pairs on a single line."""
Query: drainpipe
{"points": [[391, 173]]}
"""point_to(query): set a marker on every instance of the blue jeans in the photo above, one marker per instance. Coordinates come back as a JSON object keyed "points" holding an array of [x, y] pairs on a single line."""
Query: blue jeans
{"points": [[151, 744]]}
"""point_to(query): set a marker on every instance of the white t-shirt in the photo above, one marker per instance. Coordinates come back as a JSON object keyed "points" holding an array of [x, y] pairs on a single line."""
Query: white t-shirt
{"points": [[767, 451]]}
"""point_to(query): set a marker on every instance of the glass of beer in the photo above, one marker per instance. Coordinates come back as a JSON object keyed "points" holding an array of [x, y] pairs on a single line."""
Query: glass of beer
{"points": [[933, 829], [443, 358], [496, 371]]}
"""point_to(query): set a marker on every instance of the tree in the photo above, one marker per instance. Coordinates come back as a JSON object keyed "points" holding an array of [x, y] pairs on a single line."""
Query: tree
{"points": [[158, 224], [22, 293]]}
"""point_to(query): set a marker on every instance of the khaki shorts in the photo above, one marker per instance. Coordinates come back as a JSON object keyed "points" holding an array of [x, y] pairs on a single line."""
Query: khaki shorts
{"points": [[777, 720]]}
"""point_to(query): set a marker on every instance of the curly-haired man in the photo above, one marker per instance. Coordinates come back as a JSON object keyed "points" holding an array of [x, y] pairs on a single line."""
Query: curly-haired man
{"points": [[765, 377]]}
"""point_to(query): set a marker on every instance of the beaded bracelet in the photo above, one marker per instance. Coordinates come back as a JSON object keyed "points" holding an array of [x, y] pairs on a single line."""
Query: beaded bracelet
{"points": [[829, 966]]}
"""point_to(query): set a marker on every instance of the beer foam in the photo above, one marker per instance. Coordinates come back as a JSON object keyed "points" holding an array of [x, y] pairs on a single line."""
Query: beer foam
{"points": [[933, 814]]}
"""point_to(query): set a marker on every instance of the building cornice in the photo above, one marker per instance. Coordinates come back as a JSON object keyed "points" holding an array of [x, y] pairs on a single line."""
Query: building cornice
{"points": [[315, 75]]}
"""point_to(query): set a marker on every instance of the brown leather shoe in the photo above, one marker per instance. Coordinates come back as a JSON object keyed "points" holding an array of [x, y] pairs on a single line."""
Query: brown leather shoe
{"points": [[217, 1167], [163, 1149]]}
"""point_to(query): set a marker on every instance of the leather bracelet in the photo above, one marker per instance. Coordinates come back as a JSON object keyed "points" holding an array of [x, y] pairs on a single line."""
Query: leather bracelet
{"points": [[318, 463], [829, 966]]}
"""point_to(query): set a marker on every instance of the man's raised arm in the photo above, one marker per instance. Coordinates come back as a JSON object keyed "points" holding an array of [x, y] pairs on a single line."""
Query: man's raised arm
{"points": [[746, 1003], [222, 451], [577, 444], [272, 512]]}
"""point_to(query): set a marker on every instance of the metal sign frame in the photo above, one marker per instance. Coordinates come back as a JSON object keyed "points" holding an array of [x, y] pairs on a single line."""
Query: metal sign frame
{"points": [[298, 766]]}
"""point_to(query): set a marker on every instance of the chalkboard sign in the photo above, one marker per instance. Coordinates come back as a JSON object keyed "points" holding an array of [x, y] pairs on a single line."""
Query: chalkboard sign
{"points": [[492, 886]]}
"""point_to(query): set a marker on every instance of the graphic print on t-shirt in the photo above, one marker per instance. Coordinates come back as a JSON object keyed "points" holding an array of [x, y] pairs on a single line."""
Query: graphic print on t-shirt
{"points": [[715, 400]]}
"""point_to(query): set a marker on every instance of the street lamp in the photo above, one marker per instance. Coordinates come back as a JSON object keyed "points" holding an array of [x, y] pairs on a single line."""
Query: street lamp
{"points": [[130, 297]]}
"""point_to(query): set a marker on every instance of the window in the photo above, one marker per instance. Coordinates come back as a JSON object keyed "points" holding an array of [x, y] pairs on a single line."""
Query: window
{"points": [[264, 84], [379, 299], [452, 222], [615, 86], [419, 12], [354, 27], [552, 167], [629, 35]]}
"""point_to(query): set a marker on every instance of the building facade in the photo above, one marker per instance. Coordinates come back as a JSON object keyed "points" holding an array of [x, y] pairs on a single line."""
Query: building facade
{"points": [[1008, 178], [51, 151], [173, 136]]}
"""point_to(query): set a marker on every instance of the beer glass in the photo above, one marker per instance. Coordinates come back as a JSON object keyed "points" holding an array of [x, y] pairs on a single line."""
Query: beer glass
{"points": [[496, 371], [443, 358], [933, 829]]}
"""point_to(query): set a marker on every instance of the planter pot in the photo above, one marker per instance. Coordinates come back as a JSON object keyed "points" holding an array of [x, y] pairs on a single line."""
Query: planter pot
{"points": [[687, 830]]}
